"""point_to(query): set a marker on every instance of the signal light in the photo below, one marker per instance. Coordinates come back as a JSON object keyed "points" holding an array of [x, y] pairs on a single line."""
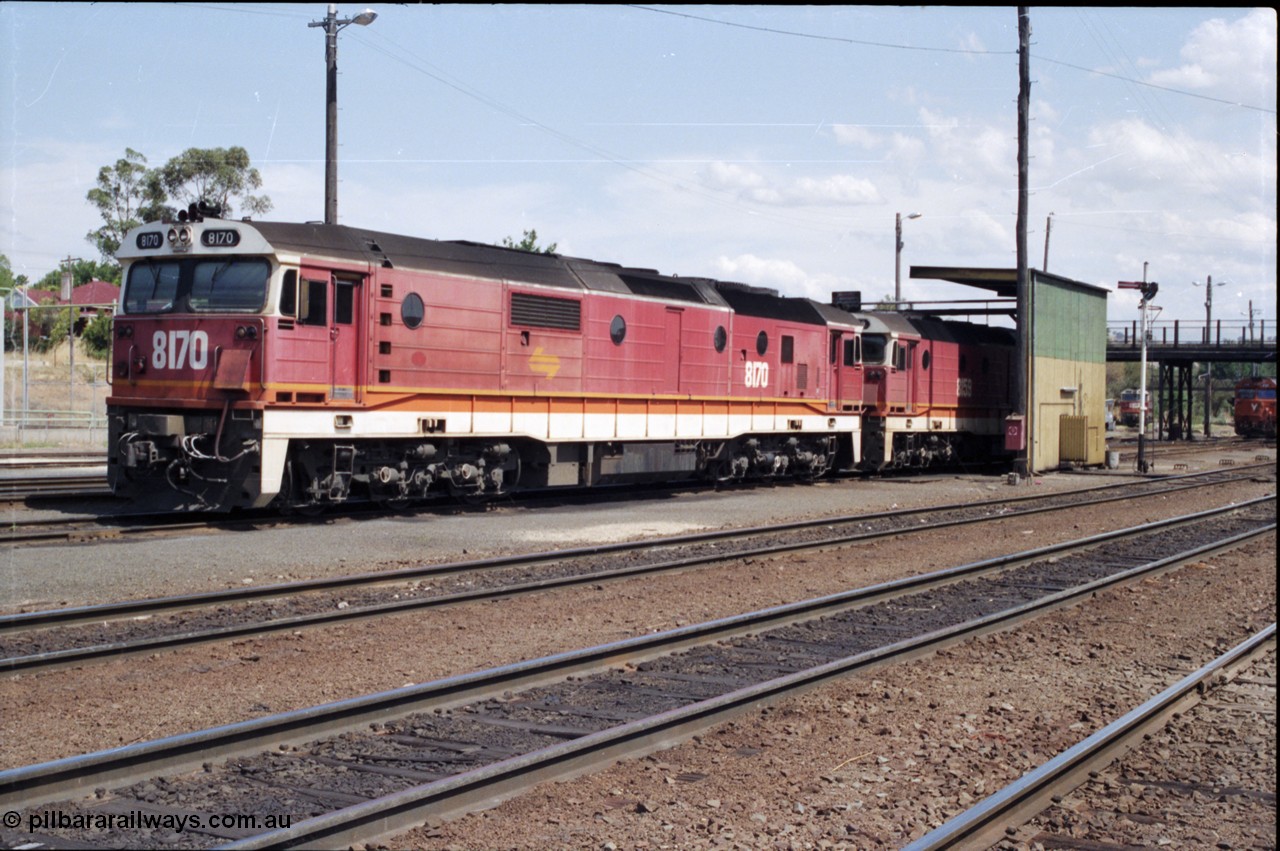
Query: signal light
{"points": [[1149, 288]]}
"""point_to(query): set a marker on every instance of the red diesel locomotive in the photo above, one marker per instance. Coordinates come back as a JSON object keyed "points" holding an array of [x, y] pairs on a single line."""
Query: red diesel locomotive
{"points": [[1254, 407], [303, 365]]}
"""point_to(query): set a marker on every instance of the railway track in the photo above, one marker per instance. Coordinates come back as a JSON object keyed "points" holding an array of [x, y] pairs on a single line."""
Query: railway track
{"points": [[84, 485], [46, 475], [1171, 451], [1000, 816], [59, 637], [51, 459], [358, 769]]}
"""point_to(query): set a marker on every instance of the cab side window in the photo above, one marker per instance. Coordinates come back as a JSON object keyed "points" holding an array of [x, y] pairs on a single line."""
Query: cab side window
{"points": [[289, 293], [313, 307]]}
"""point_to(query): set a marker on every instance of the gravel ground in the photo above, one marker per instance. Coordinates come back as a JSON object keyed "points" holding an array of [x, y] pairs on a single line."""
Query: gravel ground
{"points": [[1208, 779], [47, 576], [863, 763], [878, 761]]}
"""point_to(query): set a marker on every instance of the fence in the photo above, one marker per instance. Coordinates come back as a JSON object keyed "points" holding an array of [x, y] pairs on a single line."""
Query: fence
{"points": [[52, 397], [1220, 334]]}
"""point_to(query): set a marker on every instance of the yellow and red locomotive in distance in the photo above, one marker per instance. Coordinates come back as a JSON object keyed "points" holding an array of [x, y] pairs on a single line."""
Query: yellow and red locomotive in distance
{"points": [[1129, 409], [302, 365], [1254, 407]]}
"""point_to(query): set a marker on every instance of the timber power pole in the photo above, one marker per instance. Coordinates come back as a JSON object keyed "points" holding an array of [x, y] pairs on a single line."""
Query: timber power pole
{"points": [[1022, 383]]}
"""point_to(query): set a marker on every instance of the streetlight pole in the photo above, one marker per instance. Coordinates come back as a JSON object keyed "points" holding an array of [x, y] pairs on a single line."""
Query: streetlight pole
{"points": [[1208, 340], [1048, 226], [897, 257], [332, 25]]}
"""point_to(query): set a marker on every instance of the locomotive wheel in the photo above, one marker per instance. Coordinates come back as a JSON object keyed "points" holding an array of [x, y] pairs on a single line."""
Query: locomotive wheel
{"points": [[288, 489], [399, 504]]}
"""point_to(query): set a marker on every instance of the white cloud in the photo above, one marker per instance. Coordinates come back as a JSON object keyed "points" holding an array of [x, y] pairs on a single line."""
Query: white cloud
{"points": [[1231, 59], [834, 189], [855, 134], [44, 215], [970, 151], [784, 275], [1134, 155]]}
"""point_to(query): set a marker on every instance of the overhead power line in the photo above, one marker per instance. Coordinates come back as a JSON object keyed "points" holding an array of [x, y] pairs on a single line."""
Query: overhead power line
{"points": [[966, 51]]}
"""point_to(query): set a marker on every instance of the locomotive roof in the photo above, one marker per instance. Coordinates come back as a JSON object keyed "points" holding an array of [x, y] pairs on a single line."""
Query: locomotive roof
{"points": [[317, 241], [479, 260], [892, 322], [755, 301]]}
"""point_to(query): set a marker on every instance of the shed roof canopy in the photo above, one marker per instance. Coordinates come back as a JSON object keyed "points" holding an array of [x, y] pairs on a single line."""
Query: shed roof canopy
{"points": [[1002, 282]]}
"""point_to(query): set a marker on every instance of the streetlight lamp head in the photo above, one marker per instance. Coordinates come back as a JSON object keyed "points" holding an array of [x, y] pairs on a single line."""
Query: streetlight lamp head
{"points": [[365, 18], [914, 215]]}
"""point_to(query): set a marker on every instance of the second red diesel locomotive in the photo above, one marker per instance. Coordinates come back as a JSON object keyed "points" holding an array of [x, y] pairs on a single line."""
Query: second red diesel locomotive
{"points": [[1254, 407], [303, 365]]}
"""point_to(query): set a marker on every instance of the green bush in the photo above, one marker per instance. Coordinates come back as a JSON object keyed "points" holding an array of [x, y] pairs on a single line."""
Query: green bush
{"points": [[96, 336]]}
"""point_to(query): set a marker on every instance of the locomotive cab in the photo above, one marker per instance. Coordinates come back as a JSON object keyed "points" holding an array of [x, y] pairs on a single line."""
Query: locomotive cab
{"points": [[185, 414]]}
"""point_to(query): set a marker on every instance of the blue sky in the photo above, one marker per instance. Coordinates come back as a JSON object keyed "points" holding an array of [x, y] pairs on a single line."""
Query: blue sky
{"points": [[770, 145]]}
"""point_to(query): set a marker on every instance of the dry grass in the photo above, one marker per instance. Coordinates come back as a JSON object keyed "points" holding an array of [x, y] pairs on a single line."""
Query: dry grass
{"points": [[56, 396]]}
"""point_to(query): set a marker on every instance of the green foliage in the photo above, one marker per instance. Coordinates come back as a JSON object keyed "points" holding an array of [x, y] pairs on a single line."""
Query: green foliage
{"points": [[528, 243], [130, 193], [127, 194], [82, 272], [7, 281], [47, 325], [215, 176], [96, 336]]}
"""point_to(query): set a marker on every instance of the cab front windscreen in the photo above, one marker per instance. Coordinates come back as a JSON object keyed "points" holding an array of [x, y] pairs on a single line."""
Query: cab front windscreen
{"points": [[196, 285]]}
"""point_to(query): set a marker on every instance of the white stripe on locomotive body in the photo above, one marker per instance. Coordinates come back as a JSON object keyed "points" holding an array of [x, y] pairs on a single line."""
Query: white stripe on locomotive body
{"points": [[545, 427], [944, 422], [279, 426]]}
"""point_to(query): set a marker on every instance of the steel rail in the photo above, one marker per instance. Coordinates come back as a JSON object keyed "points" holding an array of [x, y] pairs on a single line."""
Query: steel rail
{"points": [[484, 786], [16, 489], [984, 824], [99, 612], [29, 785], [45, 461], [81, 655]]}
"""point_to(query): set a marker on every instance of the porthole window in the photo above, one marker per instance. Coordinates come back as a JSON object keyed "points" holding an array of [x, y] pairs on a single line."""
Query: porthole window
{"points": [[721, 338], [762, 343], [618, 330], [412, 310], [925, 360]]}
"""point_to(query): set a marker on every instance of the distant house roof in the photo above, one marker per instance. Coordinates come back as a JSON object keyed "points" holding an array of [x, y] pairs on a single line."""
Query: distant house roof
{"points": [[95, 292], [20, 297], [13, 299]]}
